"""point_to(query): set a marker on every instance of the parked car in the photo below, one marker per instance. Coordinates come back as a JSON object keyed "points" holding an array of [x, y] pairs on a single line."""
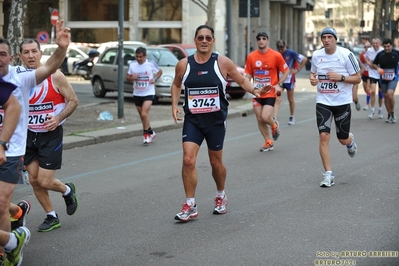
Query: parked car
{"points": [[105, 71], [73, 54], [103, 46], [184, 50]]}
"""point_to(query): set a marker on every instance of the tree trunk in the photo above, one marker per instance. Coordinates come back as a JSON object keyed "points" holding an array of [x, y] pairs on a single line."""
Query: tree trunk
{"points": [[211, 13], [377, 31], [15, 32]]}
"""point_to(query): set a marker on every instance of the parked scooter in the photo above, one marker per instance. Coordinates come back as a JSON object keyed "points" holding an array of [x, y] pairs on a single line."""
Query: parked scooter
{"points": [[83, 68]]}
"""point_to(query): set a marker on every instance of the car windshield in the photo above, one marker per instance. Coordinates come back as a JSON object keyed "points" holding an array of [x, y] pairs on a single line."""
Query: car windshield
{"points": [[162, 57], [190, 51]]}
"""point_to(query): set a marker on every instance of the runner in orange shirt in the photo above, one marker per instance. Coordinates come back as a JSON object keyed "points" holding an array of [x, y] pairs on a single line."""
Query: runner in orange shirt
{"points": [[263, 66]]}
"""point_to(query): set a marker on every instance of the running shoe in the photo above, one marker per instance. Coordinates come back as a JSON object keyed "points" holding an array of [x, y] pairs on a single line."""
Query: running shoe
{"points": [[291, 121], [25, 177], [371, 115], [328, 180], [268, 146], [146, 139], [187, 213], [352, 150], [14, 257], [276, 130], [151, 137], [358, 106], [393, 118], [71, 201], [49, 224], [25, 206], [389, 118], [366, 107], [380, 114], [220, 205]]}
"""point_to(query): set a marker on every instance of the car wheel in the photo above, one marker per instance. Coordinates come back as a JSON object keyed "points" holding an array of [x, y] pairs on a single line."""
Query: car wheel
{"points": [[237, 95], [98, 88]]}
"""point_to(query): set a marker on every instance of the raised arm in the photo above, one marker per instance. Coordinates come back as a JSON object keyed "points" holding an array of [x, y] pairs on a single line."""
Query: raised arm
{"points": [[63, 39]]}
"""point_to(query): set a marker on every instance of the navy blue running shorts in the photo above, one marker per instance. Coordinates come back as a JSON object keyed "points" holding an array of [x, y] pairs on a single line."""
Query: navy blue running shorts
{"points": [[214, 135], [10, 171]]}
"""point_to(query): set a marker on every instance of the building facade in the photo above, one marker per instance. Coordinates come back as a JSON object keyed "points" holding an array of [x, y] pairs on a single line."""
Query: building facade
{"points": [[160, 21]]}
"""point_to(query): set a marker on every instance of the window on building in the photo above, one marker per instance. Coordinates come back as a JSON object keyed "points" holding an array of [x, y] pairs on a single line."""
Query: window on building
{"points": [[160, 35], [100, 10], [160, 10]]}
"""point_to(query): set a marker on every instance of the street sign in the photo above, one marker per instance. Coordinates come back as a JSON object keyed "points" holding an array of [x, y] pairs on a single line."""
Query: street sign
{"points": [[54, 17], [42, 37]]}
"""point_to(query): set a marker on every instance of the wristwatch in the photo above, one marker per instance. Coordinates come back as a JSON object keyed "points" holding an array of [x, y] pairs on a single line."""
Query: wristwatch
{"points": [[342, 78], [281, 85], [6, 145]]}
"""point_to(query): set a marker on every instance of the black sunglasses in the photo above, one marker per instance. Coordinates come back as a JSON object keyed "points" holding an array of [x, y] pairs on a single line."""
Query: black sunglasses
{"points": [[280, 46], [208, 38], [261, 38]]}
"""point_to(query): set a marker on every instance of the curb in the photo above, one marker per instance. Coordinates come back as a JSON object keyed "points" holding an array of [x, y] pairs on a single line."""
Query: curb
{"points": [[111, 134]]}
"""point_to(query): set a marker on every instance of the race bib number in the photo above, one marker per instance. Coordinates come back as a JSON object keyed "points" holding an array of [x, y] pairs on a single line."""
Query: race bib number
{"points": [[38, 115], [325, 85], [389, 74], [142, 82], [203, 100], [259, 83]]}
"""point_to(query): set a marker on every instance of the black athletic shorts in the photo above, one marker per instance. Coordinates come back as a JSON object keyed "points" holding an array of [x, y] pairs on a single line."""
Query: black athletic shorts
{"points": [[266, 101], [342, 117], [139, 100], [46, 147]]}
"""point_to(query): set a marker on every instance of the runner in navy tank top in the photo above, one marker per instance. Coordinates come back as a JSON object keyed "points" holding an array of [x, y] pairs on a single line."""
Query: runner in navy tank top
{"points": [[206, 104], [203, 77]]}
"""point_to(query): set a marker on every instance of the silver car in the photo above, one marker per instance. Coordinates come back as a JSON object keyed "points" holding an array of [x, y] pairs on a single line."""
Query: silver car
{"points": [[74, 54], [105, 71]]}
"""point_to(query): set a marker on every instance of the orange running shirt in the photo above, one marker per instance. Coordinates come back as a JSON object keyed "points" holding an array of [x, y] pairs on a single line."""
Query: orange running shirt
{"points": [[265, 68]]}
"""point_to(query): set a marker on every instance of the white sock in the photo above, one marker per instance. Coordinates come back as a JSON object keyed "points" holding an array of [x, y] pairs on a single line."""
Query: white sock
{"points": [[220, 194], [190, 201], [52, 213], [12, 242], [68, 190]]}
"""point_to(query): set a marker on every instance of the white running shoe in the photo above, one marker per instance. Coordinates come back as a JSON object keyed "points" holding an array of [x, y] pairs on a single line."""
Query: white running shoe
{"points": [[328, 180], [366, 107], [187, 213], [291, 121], [352, 150], [151, 137], [220, 205], [146, 139], [371, 115], [380, 114]]}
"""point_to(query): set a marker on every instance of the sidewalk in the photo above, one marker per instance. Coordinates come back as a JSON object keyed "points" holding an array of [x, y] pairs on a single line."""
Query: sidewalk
{"points": [[132, 130], [128, 131]]}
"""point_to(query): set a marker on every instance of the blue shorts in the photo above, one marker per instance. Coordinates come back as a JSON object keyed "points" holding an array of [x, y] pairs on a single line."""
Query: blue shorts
{"points": [[289, 86], [214, 135], [10, 171], [388, 86]]}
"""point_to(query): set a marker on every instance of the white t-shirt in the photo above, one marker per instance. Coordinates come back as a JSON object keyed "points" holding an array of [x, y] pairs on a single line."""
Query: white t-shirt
{"points": [[146, 71], [371, 54], [343, 62], [25, 80]]}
